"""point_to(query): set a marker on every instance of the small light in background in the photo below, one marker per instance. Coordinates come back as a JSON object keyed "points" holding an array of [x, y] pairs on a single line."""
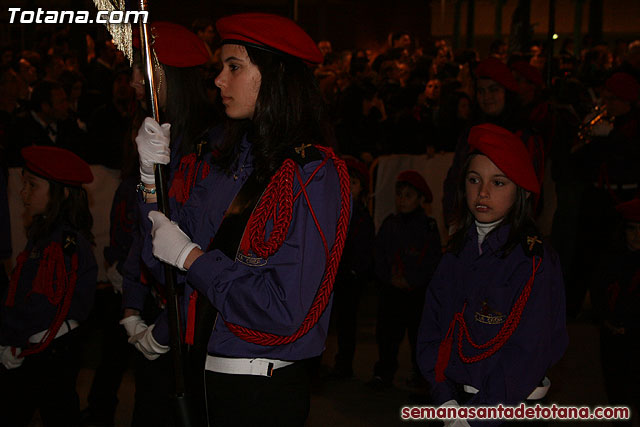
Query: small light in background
{"points": [[555, 36]]}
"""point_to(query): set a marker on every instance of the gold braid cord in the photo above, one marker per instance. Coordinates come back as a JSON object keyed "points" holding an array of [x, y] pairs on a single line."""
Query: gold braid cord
{"points": [[121, 33]]}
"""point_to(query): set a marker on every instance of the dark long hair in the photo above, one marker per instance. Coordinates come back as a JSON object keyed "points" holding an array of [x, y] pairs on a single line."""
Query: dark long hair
{"points": [[508, 118], [188, 109], [289, 111], [72, 210], [519, 216]]}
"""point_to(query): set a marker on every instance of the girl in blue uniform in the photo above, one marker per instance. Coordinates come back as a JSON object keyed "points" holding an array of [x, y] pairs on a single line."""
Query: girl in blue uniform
{"points": [[50, 292], [494, 316], [261, 237]]}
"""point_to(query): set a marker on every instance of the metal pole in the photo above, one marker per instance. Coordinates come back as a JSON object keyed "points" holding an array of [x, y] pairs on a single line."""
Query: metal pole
{"points": [[161, 175]]}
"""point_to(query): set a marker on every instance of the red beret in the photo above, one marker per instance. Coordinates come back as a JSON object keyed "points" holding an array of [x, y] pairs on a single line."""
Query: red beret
{"points": [[494, 69], [529, 72], [57, 164], [624, 86], [508, 153], [276, 33], [359, 168], [415, 178], [630, 210], [174, 45]]}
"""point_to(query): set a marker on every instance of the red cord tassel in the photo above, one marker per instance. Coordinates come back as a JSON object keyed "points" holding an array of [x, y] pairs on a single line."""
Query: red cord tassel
{"points": [[191, 318], [444, 353]]}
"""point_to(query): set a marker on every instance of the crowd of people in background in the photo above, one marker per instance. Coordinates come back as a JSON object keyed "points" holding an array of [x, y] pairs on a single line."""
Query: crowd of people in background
{"points": [[578, 116]]}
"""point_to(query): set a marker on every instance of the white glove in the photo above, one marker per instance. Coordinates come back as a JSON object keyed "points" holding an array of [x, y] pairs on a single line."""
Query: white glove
{"points": [[134, 325], [8, 359], [455, 422], [147, 345], [170, 244], [115, 278], [153, 147]]}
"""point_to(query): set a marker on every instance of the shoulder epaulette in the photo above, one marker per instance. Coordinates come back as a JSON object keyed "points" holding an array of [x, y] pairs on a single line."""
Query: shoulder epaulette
{"points": [[532, 245], [304, 154], [69, 242]]}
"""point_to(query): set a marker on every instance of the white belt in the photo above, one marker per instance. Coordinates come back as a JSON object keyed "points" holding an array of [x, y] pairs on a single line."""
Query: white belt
{"points": [[244, 366], [536, 394], [67, 326]]}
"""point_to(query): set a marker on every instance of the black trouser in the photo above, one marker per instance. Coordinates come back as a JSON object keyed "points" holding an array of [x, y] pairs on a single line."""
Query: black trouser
{"points": [[399, 310], [45, 381], [281, 400], [345, 311], [196, 358], [155, 388], [155, 382], [116, 354]]}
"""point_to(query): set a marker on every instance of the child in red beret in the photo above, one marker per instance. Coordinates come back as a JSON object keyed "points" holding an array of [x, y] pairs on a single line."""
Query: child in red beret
{"points": [[494, 314], [407, 251], [50, 292], [616, 295]]}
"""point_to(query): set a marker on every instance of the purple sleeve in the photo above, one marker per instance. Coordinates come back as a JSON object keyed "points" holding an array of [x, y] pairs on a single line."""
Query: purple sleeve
{"points": [[85, 289], [134, 292], [161, 329], [276, 297], [433, 328], [123, 224]]}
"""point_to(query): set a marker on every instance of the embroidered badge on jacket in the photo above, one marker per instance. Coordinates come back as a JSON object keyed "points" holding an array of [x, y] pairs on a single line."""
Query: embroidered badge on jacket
{"points": [[489, 316]]}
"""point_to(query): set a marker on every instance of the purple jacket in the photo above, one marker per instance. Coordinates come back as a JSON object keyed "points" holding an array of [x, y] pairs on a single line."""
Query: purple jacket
{"points": [[275, 295], [490, 285], [32, 312]]}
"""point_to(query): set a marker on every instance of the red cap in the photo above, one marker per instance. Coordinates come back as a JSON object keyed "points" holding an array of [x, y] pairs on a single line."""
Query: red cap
{"points": [[624, 86], [416, 179], [529, 72], [494, 69], [276, 33], [174, 45], [355, 165], [57, 164], [508, 153], [630, 210]]}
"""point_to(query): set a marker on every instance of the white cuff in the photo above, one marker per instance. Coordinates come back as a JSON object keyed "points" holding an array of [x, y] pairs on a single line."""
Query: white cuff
{"points": [[185, 253], [147, 345]]}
